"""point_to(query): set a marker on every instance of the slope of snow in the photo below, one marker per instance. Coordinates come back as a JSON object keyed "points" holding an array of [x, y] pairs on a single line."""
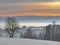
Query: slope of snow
{"points": [[19, 41]]}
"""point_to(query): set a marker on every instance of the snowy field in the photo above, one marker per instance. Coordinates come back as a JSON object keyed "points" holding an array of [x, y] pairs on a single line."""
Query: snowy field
{"points": [[19, 41]]}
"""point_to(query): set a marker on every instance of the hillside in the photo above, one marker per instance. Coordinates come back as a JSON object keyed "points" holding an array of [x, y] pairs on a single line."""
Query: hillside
{"points": [[19, 41]]}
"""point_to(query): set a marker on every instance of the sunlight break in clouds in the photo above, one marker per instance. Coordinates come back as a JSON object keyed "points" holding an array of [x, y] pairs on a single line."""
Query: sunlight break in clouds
{"points": [[2, 25], [33, 24]]}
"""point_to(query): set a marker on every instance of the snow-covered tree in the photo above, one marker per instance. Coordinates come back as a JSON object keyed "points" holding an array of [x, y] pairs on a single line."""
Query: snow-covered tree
{"points": [[28, 34]]}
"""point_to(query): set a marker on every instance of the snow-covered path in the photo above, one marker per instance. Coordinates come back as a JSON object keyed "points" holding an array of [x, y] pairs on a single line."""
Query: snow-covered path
{"points": [[19, 41]]}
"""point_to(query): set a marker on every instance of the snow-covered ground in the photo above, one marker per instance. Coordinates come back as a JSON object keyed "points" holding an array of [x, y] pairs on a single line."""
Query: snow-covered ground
{"points": [[19, 41]]}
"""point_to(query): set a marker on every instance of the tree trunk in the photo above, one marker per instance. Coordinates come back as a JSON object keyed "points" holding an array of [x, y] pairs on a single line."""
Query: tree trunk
{"points": [[11, 35]]}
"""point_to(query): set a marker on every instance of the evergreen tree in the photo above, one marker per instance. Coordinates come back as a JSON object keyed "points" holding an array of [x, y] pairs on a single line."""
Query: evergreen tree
{"points": [[28, 34], [21, 35]]}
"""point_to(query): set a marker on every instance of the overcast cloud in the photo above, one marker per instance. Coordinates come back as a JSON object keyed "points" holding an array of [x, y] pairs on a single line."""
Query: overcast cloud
{"points": [[25, 1]]}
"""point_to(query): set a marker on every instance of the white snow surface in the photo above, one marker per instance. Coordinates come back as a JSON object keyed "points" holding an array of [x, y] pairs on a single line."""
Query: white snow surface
{"points": [[20, 41]]}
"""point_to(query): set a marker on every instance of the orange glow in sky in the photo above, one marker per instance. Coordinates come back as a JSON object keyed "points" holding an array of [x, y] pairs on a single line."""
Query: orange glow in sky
{"points": [[30, 9]]}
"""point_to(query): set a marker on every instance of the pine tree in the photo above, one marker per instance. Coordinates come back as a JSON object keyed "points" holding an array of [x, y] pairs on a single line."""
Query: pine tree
{"points": [[28, 34]]}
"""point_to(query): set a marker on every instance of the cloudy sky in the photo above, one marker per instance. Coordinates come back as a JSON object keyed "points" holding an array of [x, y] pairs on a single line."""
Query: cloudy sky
{"points": [[29, 7], [32, 21], [26, 0]]}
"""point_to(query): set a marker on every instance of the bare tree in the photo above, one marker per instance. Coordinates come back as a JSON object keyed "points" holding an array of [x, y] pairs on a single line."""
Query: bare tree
{"points": [[11, 25]]}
